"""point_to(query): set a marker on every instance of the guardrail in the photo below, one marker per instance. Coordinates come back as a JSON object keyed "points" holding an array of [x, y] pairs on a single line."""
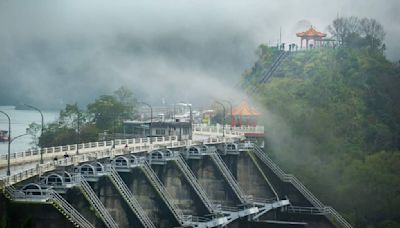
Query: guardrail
{"points": [[191, 178], [330, 212], [129, 198], [49, 195], [98, 150], [96, 203], [59, 151], [163, 193], [229, 131], [69, 211], [229, 178]]}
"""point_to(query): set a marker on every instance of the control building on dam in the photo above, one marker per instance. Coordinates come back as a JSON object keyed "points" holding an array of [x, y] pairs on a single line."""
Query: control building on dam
{"points": [[220, 177]]}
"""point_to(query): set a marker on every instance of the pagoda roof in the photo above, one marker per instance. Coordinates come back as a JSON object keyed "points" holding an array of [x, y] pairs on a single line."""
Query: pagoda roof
{"points": [[311, 32], [244, 109]]}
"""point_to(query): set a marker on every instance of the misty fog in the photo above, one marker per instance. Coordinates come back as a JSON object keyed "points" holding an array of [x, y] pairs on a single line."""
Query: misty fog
{"points": [[58, 52]]}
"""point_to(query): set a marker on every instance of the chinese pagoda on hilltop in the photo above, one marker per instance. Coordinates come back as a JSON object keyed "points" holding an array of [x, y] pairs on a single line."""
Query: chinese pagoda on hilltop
{"points": [[311, 34]]}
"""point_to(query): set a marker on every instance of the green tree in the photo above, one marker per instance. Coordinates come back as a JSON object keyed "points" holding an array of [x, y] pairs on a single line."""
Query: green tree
{"points": [[127, 99], [358, 33], [333, 120], [106, 111]]}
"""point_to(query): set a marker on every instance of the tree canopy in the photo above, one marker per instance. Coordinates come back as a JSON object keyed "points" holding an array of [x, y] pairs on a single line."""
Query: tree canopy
{"points": [[334, 119], [76, 125], [355, 32]]}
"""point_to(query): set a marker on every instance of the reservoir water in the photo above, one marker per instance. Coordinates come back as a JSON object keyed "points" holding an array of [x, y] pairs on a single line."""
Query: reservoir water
{"points": [[20, 120]]}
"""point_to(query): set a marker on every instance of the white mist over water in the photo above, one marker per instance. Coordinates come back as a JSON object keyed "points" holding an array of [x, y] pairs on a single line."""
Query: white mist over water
{"points": [[20, 120]]}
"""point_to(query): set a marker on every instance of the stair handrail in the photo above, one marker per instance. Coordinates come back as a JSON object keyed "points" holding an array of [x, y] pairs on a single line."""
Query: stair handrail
{"points": [[273, 67], [195, 184], [97, 204], [334, 215], [229, 177], [288, 178], [129, 198], [157, 184], [69, 210], [271, 70]]}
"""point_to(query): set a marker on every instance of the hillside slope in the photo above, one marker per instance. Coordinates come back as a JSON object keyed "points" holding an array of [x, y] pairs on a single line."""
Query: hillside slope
{"points": [[337, 128]]}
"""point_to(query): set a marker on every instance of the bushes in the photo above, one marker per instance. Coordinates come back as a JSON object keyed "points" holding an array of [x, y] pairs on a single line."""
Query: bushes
{"points": [[342, 115]]}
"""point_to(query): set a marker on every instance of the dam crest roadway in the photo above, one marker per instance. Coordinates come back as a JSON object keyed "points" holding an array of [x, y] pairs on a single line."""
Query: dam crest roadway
{"points": [[221, 177]]}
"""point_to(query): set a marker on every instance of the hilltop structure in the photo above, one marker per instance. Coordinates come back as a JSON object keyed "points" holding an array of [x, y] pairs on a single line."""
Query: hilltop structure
{"points": [[244, 115], [311, 34]]}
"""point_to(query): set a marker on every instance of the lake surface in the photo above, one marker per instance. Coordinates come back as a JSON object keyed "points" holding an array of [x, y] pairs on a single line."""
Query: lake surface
{"points": [[20, 120]]}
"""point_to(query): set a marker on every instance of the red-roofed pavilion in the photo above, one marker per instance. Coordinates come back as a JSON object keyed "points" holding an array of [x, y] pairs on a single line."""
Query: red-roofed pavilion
{"points": [[311, 34], [244, 114]]}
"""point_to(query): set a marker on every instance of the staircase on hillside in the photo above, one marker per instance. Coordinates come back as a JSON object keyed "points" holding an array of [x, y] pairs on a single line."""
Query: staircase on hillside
{"points": [[274, 66], [319, 207]]}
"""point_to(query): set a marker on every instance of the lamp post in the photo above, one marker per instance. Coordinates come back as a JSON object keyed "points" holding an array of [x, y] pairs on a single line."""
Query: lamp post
{"points": [[151, 118], [223, 118], [191, 121], [113, 122], [232, 118], [190, 117], [12, 140], [9, 142], [78, 133], [41, 131], [174, 112]]}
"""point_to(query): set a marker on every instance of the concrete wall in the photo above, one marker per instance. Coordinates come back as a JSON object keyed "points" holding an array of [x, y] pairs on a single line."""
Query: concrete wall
{"points": [[253, 179], [75, 197], [212, 181], [114, 203], [35, 215], [180, 190], [248, 176], [149, 199], [284, 189], [287, 190]]}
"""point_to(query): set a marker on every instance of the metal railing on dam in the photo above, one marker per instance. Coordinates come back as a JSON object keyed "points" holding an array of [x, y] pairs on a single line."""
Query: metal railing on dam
{"points": [[97, 150]]}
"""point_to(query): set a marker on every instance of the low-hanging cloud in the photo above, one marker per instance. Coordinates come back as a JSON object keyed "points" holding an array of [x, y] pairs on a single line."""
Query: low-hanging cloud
{"points": [[57, 52]]}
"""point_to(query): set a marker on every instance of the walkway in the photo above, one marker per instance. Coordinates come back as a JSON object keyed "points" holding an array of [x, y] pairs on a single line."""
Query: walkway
{"points": [[25, 164]]}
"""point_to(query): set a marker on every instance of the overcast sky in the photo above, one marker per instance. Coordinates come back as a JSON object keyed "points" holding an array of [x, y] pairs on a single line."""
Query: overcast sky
{"points": [[57, 51]]}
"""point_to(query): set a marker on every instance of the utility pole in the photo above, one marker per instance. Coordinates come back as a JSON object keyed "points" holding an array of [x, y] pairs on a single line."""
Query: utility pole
{"points": [[190, 121], [151, 119], [280, 36], [9, 143], [232, 118], [223, 118], [78, 133], [113, 129], [190, 117], [41, 131]]}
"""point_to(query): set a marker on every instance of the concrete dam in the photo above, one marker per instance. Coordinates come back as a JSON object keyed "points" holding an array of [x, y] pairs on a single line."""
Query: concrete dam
{"points": [[215, 181]]}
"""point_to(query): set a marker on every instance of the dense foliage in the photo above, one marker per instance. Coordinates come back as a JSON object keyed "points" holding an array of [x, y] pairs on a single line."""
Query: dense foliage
{"points": [[75, 125], [358, 32], [334, 122]]}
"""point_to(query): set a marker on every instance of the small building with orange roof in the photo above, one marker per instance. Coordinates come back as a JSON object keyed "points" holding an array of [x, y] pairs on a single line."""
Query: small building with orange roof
{"points": [[311, 34], [244, 115]]}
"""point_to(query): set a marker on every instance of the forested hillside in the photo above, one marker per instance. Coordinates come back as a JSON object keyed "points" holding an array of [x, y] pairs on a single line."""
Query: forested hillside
{"points": [[334, 122]]}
